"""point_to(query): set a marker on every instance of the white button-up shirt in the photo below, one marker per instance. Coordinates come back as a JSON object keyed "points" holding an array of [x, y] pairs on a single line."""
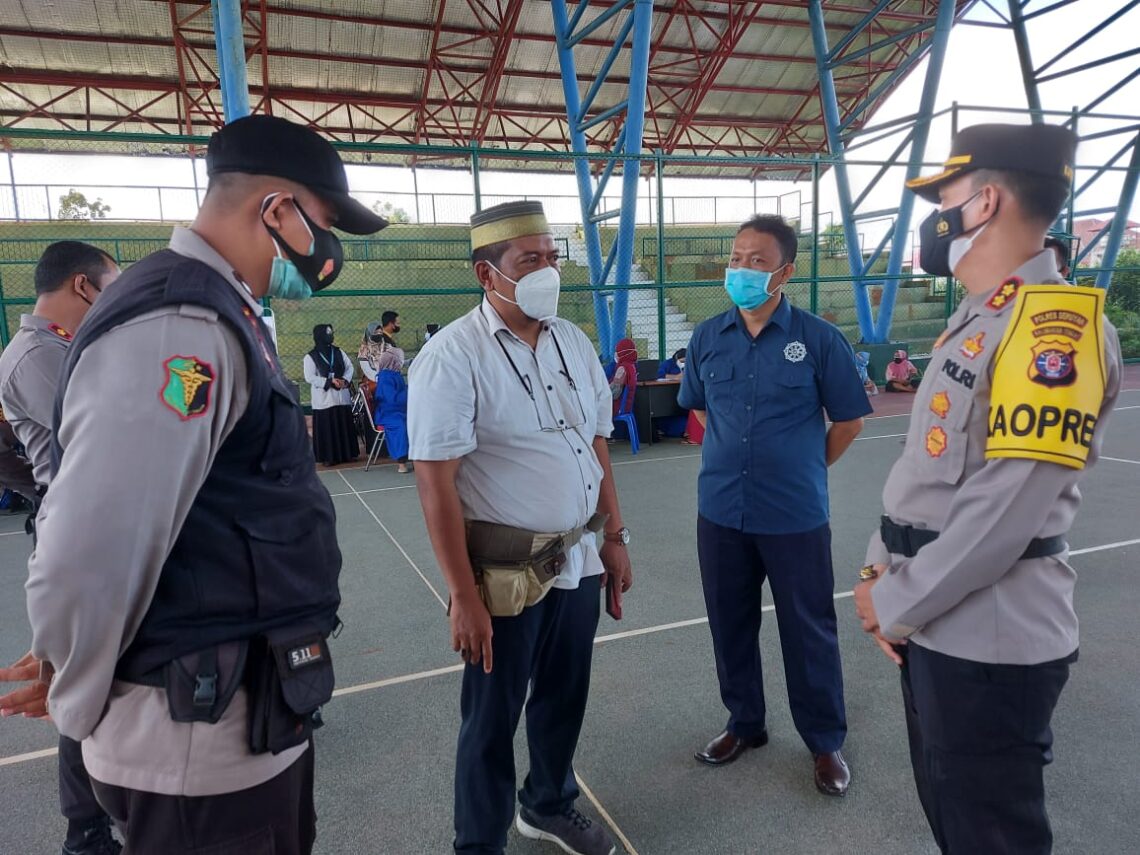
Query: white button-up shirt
{"points": [[524, 431]]}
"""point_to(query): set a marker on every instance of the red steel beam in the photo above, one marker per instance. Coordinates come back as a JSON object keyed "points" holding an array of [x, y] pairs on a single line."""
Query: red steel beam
{"points": [[740, 18]]}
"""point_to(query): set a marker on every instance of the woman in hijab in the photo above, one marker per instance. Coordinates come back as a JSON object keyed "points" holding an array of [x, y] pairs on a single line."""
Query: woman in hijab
{"points": [[392, 406], [902, 374], [625, 376], [328, 370]]}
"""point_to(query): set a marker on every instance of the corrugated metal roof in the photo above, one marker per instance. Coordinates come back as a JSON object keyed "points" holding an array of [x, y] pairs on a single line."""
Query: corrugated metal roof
{"points": [[446, 72]]}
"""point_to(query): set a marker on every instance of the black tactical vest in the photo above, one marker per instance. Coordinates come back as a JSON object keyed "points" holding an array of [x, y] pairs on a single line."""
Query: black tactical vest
{"points": [[258, 548]]}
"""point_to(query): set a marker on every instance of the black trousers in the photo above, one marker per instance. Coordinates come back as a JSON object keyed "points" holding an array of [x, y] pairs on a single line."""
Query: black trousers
{"points": [[979, 742], [548, 647], [77, 800], [273, 818], [734, 565]]}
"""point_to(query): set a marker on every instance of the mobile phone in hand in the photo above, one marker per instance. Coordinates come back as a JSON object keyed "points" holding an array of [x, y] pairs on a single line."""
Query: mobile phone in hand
{"points": [[613, 597]]}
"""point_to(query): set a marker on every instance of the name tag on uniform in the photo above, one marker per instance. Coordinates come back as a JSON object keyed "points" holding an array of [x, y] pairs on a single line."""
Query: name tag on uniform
{"points": [[1049, 376]]}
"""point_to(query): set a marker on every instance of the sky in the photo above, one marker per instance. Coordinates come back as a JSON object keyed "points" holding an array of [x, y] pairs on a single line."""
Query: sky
{"points": [[981, 70]]}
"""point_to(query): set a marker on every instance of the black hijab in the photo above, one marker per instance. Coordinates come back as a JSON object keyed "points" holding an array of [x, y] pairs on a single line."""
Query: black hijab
{"points": [[325, 355]]}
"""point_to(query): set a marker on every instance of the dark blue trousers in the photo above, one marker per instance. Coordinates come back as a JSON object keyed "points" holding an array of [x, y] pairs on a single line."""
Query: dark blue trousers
{"points": [[76, 798], [734, 566], [979, 742], [548, 647]]}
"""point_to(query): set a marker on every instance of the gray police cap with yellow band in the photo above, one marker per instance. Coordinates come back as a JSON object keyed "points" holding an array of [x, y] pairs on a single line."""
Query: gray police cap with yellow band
{"points": [[1048, 151], [507, 221]]}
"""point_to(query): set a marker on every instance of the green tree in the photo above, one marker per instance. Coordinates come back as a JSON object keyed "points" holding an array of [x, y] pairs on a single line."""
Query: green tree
{"points": [[391, 213], [73, 205], [1125, 290]]}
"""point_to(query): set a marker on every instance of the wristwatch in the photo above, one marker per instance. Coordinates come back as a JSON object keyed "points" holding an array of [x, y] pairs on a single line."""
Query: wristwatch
{"points": [[620, 536]]}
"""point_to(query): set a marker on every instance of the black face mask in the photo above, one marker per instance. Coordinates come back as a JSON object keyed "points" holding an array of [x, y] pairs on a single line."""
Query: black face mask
{"points": [[935, 236], [323, 264], [395, 329], [898, 361], [83, 296]]}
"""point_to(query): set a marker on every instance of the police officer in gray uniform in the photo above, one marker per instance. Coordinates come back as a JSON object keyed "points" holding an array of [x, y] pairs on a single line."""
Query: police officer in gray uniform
{"points": [[967, 584], [69, 277], [187, 648]]}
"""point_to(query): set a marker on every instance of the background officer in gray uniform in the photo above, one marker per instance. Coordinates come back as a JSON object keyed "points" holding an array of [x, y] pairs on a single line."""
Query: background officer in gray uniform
{"points": [[189, 644], [69, 277], [968, 585]]}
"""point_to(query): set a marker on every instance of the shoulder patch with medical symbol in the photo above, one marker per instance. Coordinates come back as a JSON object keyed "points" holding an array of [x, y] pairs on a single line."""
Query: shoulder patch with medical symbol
{"points": [[1049, 376], [795, 351], [972, 347], [940, 404], [187, 387], [936, 441], [1004, 293]]}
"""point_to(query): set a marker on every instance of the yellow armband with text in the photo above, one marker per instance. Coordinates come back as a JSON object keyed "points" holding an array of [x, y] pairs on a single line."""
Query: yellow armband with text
{"points": [[1049, 376]]}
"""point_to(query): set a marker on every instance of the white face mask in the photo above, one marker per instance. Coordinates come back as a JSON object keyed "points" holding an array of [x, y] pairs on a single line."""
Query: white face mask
{"points": [[960, 246], [536, 293]]}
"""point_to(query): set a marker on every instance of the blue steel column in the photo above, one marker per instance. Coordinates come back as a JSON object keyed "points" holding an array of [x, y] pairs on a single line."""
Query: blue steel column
{"points": [[1032, 95], [230, 45], [1120, 219], [631, 167], [620, 258], [830, 108], [939, 41]]}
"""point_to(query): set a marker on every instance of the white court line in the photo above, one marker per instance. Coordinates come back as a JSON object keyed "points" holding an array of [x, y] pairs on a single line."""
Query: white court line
{"points": [[1120, 460], [10, 533], [453, 669], [1130, 407], [1116, 545], [880, 436], [31, 755], [605, 815], [376, 490], [403, 552], [652, 459]]}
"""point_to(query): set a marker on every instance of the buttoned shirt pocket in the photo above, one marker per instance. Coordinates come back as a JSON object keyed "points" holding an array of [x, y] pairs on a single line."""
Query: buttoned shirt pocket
{"points": [[720, 393], [796, 381]]}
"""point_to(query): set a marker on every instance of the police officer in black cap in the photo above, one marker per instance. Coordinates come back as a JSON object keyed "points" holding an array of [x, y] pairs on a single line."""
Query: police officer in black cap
{"points": [[182, 621], [967, 584]]}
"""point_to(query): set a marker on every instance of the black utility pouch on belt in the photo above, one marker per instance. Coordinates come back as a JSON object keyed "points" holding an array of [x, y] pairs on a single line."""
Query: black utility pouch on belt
{"points": [[199, 686], [290, 679]]}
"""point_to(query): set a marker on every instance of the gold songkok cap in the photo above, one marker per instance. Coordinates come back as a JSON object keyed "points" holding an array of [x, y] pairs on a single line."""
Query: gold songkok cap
{"points": [[507, 221]]}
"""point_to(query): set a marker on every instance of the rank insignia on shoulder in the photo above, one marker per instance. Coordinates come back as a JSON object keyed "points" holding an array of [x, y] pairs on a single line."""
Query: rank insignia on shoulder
{"points": [[936, 441], [1004, 293], [940, 404], [972, 346], [187, 387], [60, 331], [1049, 376]]}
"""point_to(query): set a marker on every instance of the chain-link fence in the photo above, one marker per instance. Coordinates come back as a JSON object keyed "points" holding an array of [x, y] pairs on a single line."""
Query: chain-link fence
{"points": [[423, 270]]}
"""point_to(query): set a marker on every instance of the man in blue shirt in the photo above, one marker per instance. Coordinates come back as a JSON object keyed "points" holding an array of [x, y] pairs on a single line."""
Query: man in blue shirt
{"points": [[761, 377]]}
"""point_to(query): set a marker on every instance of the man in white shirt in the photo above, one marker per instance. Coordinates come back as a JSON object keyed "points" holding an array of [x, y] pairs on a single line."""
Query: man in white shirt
{"points": [[509, 412]]}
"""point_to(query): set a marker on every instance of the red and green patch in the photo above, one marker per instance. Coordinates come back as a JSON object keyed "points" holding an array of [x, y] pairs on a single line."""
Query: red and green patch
{"points": [[187, 387]]}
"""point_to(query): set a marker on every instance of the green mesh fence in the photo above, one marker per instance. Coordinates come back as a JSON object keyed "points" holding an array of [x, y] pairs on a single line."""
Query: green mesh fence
{"points": [[424, 274]]}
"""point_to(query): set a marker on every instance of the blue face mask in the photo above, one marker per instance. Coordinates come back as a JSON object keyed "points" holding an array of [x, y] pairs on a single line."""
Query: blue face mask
{"points": [[286, 281], [748, 288]]}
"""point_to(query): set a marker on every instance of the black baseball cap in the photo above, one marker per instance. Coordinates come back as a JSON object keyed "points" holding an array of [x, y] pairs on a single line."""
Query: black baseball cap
{"points": [[1048, 151], [268, 145]]}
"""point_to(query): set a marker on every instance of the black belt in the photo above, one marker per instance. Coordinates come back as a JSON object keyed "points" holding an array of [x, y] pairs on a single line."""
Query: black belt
{"points": [[907, 540]]}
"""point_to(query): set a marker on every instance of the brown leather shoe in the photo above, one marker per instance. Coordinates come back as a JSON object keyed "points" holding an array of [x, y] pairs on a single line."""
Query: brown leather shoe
{"points": [[831, 774], [728, 746]]}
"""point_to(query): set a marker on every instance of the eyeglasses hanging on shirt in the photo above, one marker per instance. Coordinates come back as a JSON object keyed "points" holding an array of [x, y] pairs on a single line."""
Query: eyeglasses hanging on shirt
{"points": [[551, 417]]}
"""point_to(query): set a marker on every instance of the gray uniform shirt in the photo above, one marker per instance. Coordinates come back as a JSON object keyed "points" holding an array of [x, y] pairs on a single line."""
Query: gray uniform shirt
{"points": [[131, 470], [29, 375], [967, 594]]}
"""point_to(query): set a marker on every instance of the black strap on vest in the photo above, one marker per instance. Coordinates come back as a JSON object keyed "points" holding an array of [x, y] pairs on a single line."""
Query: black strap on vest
{"points": [[907, 540]]}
